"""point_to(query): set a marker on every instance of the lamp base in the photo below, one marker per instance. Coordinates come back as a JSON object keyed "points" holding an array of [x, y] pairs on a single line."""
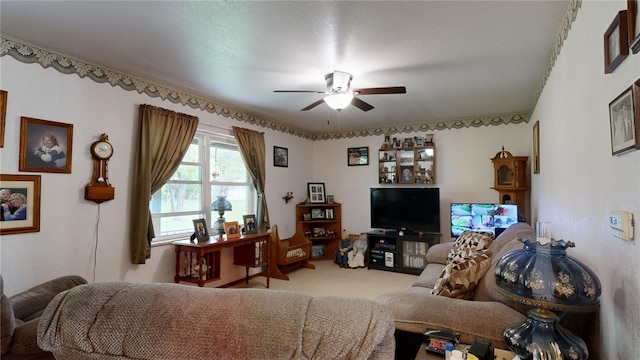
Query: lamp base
{"points": [[541, 336], [219, 225]]}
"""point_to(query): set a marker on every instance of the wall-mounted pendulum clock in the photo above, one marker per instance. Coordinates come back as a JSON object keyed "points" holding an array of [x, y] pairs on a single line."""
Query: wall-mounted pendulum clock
{"points": [[99, 189]]}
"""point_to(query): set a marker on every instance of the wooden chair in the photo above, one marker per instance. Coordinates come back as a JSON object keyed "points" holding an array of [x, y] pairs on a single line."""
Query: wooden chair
{"points": [[288, 254]]}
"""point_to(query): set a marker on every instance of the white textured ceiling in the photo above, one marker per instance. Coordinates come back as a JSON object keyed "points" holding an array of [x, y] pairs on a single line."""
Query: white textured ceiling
{"points": [[457, 59]]}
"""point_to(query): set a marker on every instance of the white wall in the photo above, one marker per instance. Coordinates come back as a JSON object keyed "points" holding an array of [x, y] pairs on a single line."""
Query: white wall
{"points": [[463, 171], [580, 181], [67, 237]]}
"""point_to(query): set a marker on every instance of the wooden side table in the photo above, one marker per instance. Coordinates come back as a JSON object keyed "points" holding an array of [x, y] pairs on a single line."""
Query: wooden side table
{"points": [[199, 262]]}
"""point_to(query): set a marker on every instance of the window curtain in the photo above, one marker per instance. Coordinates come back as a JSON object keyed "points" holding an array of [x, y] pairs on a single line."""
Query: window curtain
{"points": [[251, 145], [164, 138]]}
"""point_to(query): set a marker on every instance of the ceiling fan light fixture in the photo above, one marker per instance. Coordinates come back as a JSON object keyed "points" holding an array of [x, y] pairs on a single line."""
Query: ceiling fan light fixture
{"points": [[338, 101]]}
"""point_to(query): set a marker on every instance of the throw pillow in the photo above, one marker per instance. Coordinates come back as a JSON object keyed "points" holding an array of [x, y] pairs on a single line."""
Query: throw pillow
{"points": [[459, 279], [469, 243]]}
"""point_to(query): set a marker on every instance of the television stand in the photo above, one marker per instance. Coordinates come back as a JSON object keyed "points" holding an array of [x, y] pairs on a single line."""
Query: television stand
{"points": [[391, 252]]}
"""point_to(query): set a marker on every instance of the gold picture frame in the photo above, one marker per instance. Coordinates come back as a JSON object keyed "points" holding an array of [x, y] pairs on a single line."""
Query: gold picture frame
{"points": [[232, 229], [27, 218], [45, 146]]}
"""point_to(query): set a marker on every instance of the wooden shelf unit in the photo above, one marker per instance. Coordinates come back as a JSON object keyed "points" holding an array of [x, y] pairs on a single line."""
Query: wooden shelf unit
{"points": [[325, 231], [412, 165], [392, 252]]}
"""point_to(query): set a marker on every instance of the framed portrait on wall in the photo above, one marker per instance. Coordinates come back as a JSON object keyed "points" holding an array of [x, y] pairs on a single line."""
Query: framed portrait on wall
{"points": [[622, 117], [633, 20], [20, 209], [280, 156], [45, 146]]}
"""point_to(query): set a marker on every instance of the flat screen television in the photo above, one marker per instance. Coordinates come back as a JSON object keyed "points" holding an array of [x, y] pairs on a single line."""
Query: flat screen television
{"points": [[411, 209], [493, 218]]}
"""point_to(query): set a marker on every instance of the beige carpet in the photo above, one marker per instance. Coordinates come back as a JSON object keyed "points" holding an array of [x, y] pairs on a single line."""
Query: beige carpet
{"points": [[329, 279]]}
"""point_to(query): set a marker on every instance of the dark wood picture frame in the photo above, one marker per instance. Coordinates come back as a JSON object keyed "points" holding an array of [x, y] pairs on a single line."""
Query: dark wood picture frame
{"points": [[280, 156], [636, 104], [201, 230], [358, 156], [3, 114], [316, 193], [633, 20], [621, 121], [250, 224], [29, 186], [616, 42], [406, 174], [32, 135], [536, 148]]}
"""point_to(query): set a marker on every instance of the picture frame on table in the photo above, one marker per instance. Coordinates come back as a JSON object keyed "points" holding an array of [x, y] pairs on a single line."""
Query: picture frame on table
{"points": [[358, 156], [318, 251], [622, 121], [201, 229], [316, 193], [45, 146], [4, 96], [536, 148], [633, 20], [232, 229], [250, 224], [330, 199], [280, 156], [21, 215], [616, 42], [317, 213]]}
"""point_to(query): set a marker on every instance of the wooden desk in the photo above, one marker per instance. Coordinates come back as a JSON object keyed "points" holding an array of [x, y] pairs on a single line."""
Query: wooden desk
{"points": [[199, 262]]}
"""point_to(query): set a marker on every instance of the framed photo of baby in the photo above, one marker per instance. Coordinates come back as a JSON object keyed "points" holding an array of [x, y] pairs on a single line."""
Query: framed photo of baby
{"points": [[45, 146], [19, 204]]}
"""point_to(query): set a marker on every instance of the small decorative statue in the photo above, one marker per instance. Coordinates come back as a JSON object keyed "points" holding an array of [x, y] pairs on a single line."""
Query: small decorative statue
{"points": [[359, 248], [343, 251]]}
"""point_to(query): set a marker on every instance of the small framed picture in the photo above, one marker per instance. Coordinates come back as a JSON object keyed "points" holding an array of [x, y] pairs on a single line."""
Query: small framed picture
{"points": [[250, 226], [317, 213], [316, 193], [330, 199], [536, 148], [636, 110], [622, 122], [306, 217], [200, 227], [407, 143], [329, 213], [406, 174], [280, 156], [418, 141], [45, 146], [232, 229], [616, 42], [20, 209], [358, 156], [397, 143], [318, 251]]}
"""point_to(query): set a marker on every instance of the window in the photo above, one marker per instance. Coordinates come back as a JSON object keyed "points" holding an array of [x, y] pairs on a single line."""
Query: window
{"points": [[211, 167]]}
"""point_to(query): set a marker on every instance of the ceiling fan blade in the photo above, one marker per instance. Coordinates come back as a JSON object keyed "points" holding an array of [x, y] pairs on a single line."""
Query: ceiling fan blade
{"points": [[313, 105], [361, 104], [381, 90], [299, 91]]}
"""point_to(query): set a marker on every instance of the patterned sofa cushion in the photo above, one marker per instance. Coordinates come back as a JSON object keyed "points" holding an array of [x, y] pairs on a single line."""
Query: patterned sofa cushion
{"points": [[459, 279], [469, 243]]}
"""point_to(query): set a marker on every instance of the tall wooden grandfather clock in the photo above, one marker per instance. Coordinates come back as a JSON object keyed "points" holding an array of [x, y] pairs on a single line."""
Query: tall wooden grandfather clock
{"points": [[510, 179]]}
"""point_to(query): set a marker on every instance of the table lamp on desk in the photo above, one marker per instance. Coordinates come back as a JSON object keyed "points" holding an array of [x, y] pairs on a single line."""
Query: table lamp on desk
{"points": [[546, 278]]}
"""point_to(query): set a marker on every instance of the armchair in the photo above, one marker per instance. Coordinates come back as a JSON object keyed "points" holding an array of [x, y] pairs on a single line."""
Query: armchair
{"points": [[21, 314], [288, 254]]}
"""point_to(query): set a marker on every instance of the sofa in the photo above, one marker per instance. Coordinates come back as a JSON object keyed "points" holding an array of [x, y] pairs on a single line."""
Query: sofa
{"points": [[118, 320], [21, 315], [483, 313]]}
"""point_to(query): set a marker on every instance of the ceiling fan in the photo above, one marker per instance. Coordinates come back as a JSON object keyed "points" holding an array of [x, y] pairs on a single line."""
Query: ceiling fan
{"points": [[339, 94]]}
